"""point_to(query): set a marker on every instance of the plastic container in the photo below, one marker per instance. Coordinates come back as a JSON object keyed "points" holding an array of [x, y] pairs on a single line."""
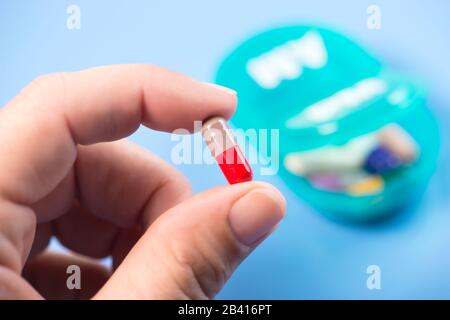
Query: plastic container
{"points": [[282, 75]]}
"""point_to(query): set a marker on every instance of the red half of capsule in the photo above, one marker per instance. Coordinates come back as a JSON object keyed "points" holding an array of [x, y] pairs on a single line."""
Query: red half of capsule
{"points": [[234, 166]]}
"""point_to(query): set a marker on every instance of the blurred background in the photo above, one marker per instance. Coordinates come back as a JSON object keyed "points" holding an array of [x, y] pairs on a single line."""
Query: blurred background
{"points": [[309, 256]]}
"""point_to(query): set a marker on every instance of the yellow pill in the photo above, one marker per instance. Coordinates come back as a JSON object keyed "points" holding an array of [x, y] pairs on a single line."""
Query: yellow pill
{"points": [[371, 185]]}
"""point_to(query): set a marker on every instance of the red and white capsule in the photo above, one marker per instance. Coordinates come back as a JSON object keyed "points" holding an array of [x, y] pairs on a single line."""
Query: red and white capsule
{"points": [[224, 148]]}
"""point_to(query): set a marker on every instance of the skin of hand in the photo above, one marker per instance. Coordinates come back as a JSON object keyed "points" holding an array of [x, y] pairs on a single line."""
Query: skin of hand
{"points": [[65, 171]]}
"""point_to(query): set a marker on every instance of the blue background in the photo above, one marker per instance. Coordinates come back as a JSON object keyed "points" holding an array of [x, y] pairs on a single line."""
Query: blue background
{"points": [[309, 256]]}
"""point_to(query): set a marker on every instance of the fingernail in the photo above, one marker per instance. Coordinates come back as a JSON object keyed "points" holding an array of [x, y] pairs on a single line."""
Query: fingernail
{"points": [[255, 214], [221, 88]]}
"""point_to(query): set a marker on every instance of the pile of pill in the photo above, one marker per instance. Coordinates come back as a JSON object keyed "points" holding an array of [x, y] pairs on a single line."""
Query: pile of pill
{"points": [[361, 166]]}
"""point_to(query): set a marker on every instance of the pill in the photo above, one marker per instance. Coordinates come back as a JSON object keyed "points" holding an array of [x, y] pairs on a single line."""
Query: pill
{"points": [[225, 150], [326, 181], [381, 160], [349, 156], [350, 177], [373, 184], [398, 141], [338, 181]]}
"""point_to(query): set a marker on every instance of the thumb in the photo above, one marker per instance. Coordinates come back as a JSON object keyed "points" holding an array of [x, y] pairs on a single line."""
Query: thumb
{"points": [[192, 249]]}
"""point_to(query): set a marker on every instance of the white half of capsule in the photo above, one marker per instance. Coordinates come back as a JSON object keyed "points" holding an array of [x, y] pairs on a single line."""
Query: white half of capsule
{"points": [[218, 136]]}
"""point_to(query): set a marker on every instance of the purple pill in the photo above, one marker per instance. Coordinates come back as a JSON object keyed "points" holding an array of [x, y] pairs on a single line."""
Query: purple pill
{"points": [[326, 181]]}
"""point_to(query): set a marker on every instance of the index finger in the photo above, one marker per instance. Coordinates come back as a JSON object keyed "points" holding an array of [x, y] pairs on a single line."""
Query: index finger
{"points": [[41, 127]]}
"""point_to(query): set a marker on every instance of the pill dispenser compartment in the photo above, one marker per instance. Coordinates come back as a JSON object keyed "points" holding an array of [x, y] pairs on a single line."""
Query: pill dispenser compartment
{"points": [[325, 92]]}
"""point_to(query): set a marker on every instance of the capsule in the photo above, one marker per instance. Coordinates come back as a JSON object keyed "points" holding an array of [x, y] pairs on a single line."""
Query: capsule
{"points": [[225, 150]]}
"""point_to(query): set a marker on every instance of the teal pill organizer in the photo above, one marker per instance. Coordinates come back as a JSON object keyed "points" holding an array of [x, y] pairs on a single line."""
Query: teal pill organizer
{"points": [[321, 89]]}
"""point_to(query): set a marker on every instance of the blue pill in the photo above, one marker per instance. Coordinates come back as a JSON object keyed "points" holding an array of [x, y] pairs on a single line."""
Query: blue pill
{"points": [[381, 160]]}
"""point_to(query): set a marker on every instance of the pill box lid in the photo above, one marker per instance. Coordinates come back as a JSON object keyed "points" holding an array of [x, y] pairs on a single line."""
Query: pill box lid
{"points": [[315, 86]]}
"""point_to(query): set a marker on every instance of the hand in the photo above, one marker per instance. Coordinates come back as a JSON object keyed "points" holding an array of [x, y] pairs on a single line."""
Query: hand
{"points": [[60, 175]]}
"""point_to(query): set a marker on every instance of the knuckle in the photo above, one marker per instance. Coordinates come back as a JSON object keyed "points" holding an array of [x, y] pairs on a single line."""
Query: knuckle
{"points": [[17, 229], [201, 272], [14, 287], [53, 83], [181, 187], [48, 81], [139, 70], [147, 68], [8, 284], [9, 255]]}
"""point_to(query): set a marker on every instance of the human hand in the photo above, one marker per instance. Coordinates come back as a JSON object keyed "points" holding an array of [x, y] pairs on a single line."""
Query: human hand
{"points": [[65, 173]]}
